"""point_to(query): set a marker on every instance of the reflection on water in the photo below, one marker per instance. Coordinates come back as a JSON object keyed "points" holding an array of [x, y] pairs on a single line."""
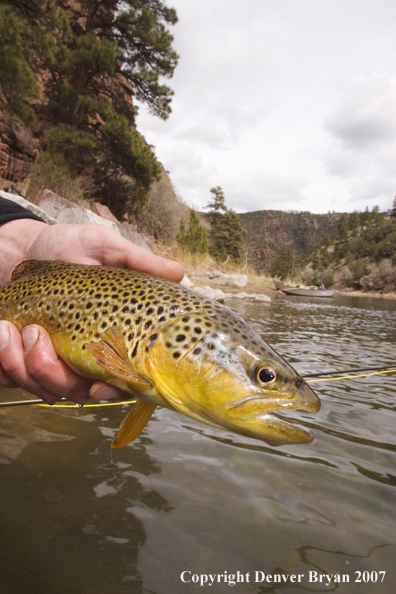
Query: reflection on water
{"points": [[78, 519]]}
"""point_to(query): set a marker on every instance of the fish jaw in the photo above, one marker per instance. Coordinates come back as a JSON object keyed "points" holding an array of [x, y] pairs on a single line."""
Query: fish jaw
{"points": [[226, 397]]}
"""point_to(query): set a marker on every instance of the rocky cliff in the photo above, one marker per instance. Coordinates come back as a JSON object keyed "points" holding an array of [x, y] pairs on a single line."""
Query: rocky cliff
{"points": [[265, 231]]}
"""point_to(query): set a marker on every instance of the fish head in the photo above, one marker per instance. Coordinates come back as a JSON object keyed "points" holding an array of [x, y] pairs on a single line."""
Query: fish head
{"points": [[228, 377]]}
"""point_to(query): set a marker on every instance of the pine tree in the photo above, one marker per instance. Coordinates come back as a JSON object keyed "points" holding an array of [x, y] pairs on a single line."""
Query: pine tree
{"points": [[393, 211], [231, 224], [282, 265], [343, 228], [226, 230], [194, 239], [94, 57], [18, 84], [354, 222]]}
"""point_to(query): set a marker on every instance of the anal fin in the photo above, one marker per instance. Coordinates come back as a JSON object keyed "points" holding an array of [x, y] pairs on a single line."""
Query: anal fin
{"points": [[133, 424]]}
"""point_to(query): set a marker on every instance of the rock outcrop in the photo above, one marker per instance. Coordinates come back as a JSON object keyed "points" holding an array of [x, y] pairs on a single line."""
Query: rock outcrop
{"points": [[29, 206], [64, 211], [17, 152], [219, 279]]}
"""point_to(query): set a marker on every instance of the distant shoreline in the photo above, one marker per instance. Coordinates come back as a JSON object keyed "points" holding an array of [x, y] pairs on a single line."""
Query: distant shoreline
{"points": [[363, 294]]}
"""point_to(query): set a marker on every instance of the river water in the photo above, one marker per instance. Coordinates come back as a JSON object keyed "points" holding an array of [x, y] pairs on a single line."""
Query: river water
{"points": [[187, 501]]}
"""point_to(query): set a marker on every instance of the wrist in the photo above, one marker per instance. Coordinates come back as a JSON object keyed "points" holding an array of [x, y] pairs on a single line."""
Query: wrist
{"points": [[16, 237]]}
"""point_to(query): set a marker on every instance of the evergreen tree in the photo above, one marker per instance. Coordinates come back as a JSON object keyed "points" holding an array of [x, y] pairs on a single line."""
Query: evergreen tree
{"points": [[343, 228], [354, 222], [18, 84], [282, 265], [226, 230], [393, 211], [194, 239], [232, 235], [95, 56]]}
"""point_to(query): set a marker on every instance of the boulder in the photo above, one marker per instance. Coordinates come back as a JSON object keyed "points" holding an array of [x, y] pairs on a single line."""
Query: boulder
{"points": [[126, 230], [29, 206], [210, 292], [105, 212], [232, 281], [186, 282], [68, 212]]}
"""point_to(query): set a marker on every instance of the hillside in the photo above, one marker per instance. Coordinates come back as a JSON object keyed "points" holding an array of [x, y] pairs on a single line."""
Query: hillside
{"points": [[362, 256], [266, 231]]}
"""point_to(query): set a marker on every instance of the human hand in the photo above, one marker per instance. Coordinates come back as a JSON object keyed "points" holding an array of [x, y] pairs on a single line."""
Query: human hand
{"points": [[29, 360]]}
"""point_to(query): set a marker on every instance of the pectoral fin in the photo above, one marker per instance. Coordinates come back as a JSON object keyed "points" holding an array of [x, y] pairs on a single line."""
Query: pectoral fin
{"points": [[111, 354], [133, 424]]}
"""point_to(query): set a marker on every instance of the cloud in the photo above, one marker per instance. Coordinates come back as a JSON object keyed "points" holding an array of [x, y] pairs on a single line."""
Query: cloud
{"points": [[367, 116], [265, 108], [261, 191]]}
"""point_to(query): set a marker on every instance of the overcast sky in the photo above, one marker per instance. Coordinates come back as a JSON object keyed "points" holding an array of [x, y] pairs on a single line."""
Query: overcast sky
{"points": [[285, 104]]}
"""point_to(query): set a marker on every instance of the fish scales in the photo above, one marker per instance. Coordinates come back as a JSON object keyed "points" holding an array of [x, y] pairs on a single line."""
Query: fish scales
{"points": [[159, 341], [86, 300]]}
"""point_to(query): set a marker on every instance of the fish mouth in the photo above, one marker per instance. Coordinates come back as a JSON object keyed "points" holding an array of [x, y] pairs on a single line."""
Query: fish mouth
{"points": [[252, 416], [305, 400]]}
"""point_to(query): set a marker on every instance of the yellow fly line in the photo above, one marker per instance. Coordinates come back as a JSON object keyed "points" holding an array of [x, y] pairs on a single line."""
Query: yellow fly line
{"points": [[329, 379], [38, 402], [86, 405]]}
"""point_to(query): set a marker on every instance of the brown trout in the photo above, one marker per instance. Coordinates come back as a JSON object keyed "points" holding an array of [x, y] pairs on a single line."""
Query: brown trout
{"points": [[164, 344]]}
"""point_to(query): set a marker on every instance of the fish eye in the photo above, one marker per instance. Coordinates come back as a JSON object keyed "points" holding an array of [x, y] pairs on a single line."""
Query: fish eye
{"points": [[266, 375]]}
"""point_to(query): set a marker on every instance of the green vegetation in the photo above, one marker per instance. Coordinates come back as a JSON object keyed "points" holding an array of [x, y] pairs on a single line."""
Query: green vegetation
{"points": [[51, 170], [194, 239], [282, 265], [266, 231], [226, 231], [364, 248], [76, 67]]}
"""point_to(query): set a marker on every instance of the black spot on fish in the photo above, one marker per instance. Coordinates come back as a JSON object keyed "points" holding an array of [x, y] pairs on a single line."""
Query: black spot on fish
{"points": [[198, 330], [176, 355], [197, 351], [148, 324], [160, 310], [180, 338], [115, 308]]}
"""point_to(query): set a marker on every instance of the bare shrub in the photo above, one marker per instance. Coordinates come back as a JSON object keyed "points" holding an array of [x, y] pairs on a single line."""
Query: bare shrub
{"points": [[51, 172]]}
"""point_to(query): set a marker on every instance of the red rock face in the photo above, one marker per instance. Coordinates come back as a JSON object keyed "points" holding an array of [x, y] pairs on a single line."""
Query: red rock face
{"points": [[17, 152]]}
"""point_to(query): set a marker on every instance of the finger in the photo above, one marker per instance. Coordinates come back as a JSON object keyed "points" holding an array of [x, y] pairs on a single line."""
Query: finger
{"points": [[113, 250], [5, 380], [13, 364], [49, 371], [102, 391]]}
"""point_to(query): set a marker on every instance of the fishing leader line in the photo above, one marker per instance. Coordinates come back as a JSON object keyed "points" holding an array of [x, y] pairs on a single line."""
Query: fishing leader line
{"points": [[39, 402]]}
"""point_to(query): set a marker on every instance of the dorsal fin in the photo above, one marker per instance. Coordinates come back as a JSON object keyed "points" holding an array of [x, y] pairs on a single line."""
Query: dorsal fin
{"points": [[27, 268]]}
